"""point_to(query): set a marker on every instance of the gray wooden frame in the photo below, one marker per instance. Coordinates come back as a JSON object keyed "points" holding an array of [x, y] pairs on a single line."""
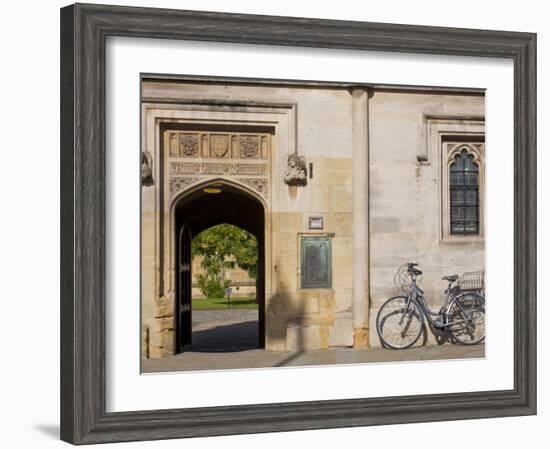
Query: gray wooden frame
{"points": [[83, 32]]}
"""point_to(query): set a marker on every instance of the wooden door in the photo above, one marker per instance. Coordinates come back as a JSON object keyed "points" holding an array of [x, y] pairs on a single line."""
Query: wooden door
{"points": [[184, 286]]}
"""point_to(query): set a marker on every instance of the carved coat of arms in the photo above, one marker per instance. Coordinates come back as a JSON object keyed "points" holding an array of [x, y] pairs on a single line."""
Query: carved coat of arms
{"points": [[189, 144], [219, 145], [250, 146]]}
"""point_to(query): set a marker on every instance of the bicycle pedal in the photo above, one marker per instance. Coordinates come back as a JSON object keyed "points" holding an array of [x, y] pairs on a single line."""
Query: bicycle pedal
{"points": [[438, 323]]}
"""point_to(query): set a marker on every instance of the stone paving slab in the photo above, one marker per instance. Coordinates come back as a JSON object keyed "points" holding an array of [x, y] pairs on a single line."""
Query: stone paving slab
{"points": [[258, 358]]}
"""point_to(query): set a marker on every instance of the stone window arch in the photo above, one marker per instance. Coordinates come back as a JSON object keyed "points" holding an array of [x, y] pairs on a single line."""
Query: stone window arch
{"points": [[463, 191]]}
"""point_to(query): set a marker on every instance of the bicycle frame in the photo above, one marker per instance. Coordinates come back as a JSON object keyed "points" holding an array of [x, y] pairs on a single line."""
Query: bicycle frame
{"points": [[416, 295]]}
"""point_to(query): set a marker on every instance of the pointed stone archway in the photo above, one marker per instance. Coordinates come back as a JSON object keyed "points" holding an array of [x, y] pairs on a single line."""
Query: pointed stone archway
{"points": [[197, 210]]}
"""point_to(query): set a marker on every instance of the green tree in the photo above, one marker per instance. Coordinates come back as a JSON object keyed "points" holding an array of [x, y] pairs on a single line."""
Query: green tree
{"points": [[223, 247]]}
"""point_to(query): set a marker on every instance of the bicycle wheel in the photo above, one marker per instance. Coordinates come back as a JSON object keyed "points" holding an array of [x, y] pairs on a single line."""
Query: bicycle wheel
{"points": [[466, 319], [399, 326]]}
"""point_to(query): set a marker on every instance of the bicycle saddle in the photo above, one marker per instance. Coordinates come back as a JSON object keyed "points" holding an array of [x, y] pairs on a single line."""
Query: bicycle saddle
{"points": [[452, 278]]}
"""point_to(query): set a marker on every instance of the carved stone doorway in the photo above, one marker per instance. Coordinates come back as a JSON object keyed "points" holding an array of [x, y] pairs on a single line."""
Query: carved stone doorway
{"points": [[199, 209]]}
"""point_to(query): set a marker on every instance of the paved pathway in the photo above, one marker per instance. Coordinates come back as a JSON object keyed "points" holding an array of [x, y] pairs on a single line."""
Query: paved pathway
{"points": [[226, 330], [258, 358]]}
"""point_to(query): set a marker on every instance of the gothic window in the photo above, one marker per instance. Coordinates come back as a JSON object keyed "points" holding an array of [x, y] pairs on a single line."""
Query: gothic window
{"points": [[464, 194]]}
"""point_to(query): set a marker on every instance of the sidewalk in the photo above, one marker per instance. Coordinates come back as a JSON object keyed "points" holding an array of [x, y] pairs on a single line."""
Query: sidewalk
{"points": [[258, 358]]}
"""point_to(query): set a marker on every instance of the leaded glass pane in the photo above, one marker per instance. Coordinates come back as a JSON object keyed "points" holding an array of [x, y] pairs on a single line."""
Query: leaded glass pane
{"points": [[470, 213], [470, 179], [464, 195], [457, 179], [470, 197], [457, 197]]}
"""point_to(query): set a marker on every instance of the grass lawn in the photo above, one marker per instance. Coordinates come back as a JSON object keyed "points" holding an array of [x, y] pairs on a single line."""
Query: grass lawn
{"points": [[248, 302]]}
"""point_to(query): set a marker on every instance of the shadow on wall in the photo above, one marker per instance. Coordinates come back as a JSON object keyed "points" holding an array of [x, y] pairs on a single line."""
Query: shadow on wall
{"points": [[284, 321]]}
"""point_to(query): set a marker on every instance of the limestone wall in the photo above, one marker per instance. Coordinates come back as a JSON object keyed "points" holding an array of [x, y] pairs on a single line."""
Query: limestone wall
{"points": [[405, 195]]}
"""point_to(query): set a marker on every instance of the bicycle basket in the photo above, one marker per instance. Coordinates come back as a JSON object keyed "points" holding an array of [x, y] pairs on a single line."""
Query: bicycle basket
{"points": [[402, 278], [472, 280]]}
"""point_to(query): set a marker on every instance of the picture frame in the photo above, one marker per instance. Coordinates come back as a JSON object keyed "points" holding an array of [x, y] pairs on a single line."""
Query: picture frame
{"points": [[84, 29]]}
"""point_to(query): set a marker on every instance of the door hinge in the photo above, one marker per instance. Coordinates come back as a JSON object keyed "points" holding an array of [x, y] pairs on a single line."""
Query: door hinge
{"points": [[185, 308]]}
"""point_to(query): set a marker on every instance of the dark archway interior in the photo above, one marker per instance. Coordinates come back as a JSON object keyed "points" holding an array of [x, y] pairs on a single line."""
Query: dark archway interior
{"points": [[198, 211]]}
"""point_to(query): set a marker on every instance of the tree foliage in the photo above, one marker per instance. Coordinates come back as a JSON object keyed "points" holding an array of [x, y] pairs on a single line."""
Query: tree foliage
{"points": [[223, 247]]}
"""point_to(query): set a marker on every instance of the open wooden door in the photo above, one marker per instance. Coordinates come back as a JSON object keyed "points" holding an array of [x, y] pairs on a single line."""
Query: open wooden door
{"points": [[183, 309]]}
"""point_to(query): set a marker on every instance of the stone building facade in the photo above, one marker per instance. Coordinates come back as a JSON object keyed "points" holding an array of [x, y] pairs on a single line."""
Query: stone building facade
{"points": [[340, 183]]}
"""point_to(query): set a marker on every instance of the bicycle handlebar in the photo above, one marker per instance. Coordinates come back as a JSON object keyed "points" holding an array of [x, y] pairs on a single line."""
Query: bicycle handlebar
{"points": [[412, 270]]}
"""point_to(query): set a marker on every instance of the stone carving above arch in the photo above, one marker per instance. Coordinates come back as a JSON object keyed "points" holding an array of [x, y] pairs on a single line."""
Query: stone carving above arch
{"points": [[220, 145], [249, 146], [179, 184], [189, 145], [201, 155], [217, 168], [260, 185], [216, 145]]}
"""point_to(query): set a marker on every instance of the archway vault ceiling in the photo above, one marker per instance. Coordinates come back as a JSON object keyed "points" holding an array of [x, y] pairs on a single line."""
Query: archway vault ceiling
{"points": [[203, 210]]}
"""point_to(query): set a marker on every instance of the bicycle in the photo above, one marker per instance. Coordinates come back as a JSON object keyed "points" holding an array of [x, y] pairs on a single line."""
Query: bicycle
{"points": [[401, 319]]}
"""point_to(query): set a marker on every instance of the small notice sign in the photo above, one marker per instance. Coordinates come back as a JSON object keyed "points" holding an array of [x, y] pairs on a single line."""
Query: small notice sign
{"points": [[316, 223]]}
